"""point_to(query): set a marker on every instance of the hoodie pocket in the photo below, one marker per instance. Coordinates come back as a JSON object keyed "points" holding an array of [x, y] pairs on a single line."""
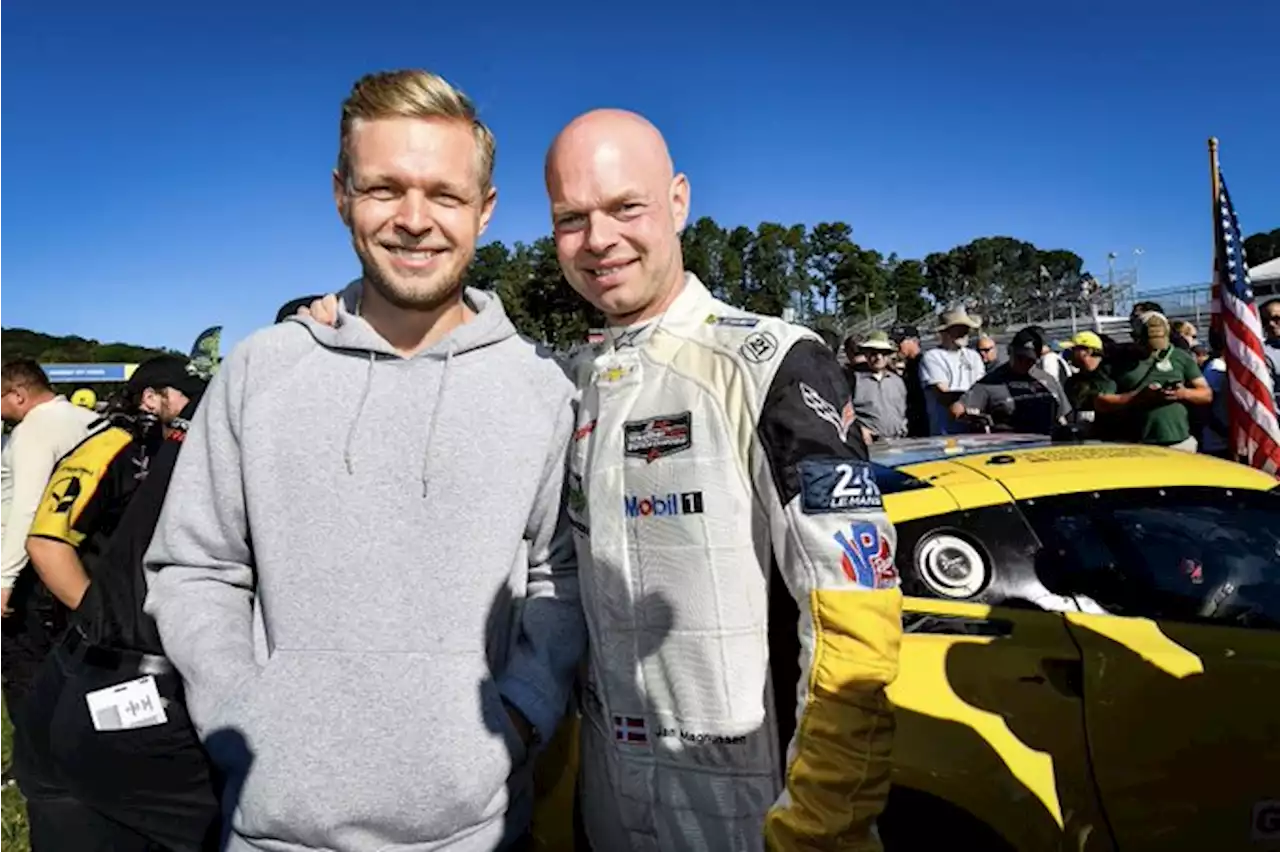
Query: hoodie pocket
{"points": [[369, 750]]}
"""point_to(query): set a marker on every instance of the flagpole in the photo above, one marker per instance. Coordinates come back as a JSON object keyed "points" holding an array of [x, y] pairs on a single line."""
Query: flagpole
{"points": [[1215, 182], [1215, 177]]}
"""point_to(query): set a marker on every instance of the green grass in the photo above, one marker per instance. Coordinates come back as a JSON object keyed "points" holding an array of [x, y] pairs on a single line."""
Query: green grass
{"points": [[13, 819]]}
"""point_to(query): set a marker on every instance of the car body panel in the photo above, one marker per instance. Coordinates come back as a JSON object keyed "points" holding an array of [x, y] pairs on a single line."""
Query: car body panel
{"points": [[949, 487], [984, 720], [1087, 467], [1172, 740], [1184, 730]]}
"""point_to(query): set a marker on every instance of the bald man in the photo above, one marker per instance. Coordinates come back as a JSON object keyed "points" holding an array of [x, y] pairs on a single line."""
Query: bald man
{"points": [[717, 481]]}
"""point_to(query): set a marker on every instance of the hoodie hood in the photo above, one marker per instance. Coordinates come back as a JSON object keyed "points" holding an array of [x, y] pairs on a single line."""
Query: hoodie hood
{"points": [[490, 325], [351, 333]]}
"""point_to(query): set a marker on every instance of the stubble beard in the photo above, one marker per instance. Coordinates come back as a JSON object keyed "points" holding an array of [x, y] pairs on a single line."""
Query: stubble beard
{"points": [[438, 295]]}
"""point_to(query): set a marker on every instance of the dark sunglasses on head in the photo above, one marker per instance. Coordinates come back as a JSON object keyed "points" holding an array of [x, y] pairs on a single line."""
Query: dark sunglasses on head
{"points": [[986, 349], [1272, 318]]}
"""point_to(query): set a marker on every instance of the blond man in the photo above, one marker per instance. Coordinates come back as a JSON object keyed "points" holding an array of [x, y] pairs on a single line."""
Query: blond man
{"points": [[363, 571]]}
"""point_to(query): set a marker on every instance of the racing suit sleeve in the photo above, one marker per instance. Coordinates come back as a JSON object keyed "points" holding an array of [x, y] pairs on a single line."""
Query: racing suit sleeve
{"points": [[199, 566], [835, 549], [551, 631]]}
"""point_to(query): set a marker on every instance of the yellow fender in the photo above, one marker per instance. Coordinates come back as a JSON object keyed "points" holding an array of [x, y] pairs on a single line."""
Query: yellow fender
{"points": [[554, 785]]}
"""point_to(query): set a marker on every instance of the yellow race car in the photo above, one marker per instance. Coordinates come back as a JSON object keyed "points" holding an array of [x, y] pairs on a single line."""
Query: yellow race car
{"points": [[1092, 648]]}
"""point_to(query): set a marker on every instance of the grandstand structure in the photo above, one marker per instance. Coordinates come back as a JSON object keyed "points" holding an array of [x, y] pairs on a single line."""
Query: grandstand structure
{"points": [[1190, 302]]}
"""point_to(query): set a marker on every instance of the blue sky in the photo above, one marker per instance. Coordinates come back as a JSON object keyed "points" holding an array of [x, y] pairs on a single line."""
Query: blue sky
{"points": [[169, 170]]}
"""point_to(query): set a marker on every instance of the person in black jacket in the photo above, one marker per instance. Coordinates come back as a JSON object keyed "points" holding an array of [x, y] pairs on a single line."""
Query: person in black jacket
{"points": [[907, 337], [116, 733]]}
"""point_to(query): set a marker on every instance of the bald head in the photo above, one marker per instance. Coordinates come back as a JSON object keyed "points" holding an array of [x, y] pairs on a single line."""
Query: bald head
{"points": [[617, 209], [612, 135]]}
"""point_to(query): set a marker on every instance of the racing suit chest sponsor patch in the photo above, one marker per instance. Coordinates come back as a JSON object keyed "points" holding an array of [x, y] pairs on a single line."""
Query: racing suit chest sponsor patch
{"points": [[655, 437], [663, 505], [838, 485]]}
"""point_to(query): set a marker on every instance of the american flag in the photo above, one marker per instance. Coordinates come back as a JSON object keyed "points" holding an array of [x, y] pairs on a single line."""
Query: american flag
{"points": [[1251, 411]]}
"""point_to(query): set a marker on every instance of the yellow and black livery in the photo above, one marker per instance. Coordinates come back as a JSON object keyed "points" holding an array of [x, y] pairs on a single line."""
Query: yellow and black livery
{"points": [[91, 486]]}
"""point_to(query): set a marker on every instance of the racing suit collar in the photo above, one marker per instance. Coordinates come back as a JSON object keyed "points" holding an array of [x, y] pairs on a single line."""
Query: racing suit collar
{"points": [[691, 303]]}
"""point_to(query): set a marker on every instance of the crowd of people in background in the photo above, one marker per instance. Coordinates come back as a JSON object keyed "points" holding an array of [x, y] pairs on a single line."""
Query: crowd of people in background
{"points": [[1164, 386]]}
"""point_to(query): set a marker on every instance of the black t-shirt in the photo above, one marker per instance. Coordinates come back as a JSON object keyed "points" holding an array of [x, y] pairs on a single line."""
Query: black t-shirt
{"points": [[917, 414], [1027, 402]]}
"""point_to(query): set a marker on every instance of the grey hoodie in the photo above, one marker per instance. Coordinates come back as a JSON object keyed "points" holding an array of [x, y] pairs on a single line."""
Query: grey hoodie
{"points": [[359, 557]]}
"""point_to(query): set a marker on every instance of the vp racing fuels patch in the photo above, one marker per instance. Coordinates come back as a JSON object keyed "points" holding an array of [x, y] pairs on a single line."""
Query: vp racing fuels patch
{"points": [[659, 436], [866, 557], [837, 485]]}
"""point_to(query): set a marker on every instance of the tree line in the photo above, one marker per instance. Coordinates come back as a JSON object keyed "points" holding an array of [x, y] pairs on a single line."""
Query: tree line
{"points": [[1262, 247], [48, 349], [820, 273]]}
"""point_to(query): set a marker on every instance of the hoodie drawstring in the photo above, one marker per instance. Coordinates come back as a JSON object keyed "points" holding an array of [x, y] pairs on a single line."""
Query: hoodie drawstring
{"points": [[349, 450], [435, 411]]}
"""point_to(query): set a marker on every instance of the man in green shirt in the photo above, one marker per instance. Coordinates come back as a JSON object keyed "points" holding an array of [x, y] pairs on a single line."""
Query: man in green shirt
{"points": [[1153, 387]]}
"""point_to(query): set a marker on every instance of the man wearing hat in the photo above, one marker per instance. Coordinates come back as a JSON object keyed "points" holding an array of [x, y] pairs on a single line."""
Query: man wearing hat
{"points": [[879, 394], [1018, 396], [907, 339], [1091, 377], [80, 515], [1154, 388], [949, 370]]}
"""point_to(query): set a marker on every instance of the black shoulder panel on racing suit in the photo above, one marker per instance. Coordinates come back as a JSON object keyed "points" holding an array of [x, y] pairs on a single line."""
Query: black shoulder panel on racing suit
{"points": [[807, 413], [801, 418]]}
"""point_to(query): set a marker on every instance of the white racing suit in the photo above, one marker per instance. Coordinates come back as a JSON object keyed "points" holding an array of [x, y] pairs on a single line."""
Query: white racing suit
{"points": [[717, 481]]}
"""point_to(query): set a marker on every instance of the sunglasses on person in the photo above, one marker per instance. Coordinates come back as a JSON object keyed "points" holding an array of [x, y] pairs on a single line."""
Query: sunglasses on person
{"points": [[986, 349]]}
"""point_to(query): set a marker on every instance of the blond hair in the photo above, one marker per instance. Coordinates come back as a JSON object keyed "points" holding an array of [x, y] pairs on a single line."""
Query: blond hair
{"points": [[412, 93]]}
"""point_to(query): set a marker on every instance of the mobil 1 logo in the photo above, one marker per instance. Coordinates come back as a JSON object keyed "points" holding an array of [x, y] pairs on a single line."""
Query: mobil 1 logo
{"points": [[663, 505], [838, 485]]}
